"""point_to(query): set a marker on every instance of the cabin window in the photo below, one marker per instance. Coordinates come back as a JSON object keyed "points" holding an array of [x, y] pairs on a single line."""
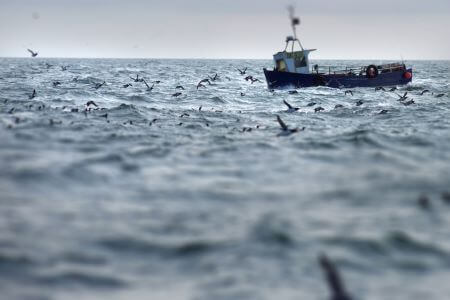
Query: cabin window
{"points": [[300, 62], [281, 65], [299, 59]]}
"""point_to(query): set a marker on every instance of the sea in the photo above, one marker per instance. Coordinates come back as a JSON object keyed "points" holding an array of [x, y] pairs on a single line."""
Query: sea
{"points": [[149, 194]]}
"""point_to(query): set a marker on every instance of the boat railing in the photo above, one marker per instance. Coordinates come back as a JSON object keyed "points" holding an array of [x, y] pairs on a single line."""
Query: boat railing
{"points": [[335, 70]]}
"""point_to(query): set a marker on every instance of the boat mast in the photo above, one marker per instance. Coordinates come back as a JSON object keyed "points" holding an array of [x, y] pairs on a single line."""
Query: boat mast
{"points": [[294, 22]]}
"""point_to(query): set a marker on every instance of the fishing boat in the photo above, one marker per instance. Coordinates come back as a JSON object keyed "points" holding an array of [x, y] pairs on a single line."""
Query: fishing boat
{"points": [[292, 68]]}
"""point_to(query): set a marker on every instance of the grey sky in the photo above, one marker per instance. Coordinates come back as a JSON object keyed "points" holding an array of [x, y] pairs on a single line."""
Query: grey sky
{"points": [[358, 29]]}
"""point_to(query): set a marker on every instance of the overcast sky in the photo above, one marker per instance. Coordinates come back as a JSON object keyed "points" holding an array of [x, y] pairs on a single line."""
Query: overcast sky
{"points": [[340, 29]]}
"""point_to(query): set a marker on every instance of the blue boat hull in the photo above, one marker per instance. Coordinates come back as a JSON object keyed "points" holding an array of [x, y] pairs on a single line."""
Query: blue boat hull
{"points": [[277, 79]]}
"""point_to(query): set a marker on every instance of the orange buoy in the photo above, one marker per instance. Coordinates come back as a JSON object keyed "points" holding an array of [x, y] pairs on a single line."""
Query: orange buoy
{"points": [[407, 75]]}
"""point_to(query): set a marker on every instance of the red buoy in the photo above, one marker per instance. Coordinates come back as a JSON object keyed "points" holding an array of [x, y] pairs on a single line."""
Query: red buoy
{"points": [[407, 75]]}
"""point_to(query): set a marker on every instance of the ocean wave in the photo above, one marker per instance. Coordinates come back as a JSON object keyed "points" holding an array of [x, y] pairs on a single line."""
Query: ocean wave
{"points": [[80, 278], [133, 245]]}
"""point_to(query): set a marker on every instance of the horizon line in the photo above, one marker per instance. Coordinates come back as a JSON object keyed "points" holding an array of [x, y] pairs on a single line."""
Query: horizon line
{"points": [[229, 58]]}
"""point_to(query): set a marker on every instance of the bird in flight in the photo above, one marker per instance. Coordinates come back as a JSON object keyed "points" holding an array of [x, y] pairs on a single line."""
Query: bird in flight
{"points": [[285, 130], [33, 54], [290, 107], [242, 71]]}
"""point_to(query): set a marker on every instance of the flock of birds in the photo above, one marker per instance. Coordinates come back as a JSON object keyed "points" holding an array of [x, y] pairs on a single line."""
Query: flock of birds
{"points": [[335, 283], [285, 130], [203, 83]]}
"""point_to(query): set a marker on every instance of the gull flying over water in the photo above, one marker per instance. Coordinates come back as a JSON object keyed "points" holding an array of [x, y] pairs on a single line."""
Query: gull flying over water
{"points": [[290, 108], [90, 102], [285, 131], [404, 97], [99, 85], [137, 79], [33, 95], [149, 88], [242, 71], [409, 102], [33, 54], [214, 78], [334, 280], [200, 84]]}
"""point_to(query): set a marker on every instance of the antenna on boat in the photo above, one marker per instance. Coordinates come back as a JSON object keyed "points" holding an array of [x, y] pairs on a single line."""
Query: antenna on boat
{"points": [[294, 22]]}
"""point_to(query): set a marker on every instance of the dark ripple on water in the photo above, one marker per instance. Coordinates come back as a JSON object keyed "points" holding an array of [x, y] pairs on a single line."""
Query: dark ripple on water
{"points": [[151, 197]]}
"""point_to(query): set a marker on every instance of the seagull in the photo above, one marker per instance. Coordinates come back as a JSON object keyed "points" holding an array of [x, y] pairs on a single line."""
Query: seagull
{"points": [[176, 94], [333, 278], [293, 92], [149, 88], [137, 79], [205, 80], [242, 71], [99, 85], [285, 131], [200, 84], [348, 92], [440, 95], [56, 83], [311, 104], [290, 108], [380, 88], [383, 112], [359, 103], [423, 92], [214, 78], [408, 102], [33, 54], [91, 103], [33, 95], [63, 68], [404, 97], [317, 109], [253, 80], [127, 85], [393, 89], [338, 106]]}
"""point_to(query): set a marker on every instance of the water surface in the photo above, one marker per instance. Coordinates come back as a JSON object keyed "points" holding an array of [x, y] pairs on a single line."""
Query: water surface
{"points": [[193, 207]]}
